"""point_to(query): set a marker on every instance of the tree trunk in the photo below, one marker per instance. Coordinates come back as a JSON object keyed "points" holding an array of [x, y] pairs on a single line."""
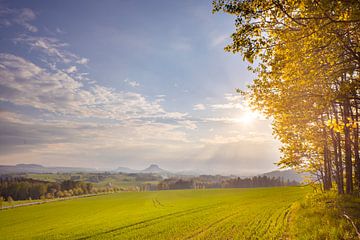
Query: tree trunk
{"points": [[341, 165], [356, 148], [337, 161], [327, 169], [348, 161], [327, 160], [337, 146]]}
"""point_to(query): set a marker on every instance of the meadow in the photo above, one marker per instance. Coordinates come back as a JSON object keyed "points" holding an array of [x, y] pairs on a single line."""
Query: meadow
{"points": [[262, 213]]}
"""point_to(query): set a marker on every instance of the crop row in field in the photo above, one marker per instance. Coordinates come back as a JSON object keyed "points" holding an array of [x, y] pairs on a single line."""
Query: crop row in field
{"points": [[180, 214]]}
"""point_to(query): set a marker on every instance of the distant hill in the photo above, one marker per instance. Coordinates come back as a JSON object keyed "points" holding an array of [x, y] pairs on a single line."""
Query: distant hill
{"points": [[290, 175], [153, 168], [126, 170], [35, 168]]}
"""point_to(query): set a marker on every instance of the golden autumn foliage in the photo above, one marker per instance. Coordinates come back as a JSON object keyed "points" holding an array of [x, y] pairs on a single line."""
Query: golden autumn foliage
{"points": [[306, 55]]}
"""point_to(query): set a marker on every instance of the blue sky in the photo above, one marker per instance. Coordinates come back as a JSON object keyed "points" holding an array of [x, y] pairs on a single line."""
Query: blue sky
{"points": [[126, 83]]}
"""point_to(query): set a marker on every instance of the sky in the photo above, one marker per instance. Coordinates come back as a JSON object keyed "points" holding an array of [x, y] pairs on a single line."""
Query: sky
{"points": [[104, 84]]}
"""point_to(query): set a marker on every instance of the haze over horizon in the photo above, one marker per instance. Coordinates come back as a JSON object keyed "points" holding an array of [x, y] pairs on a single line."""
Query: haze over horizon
{"points": [[104, 85]]}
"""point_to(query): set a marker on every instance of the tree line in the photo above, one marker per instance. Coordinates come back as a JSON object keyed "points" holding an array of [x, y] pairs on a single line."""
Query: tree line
{"points": [[306, 57], [203, 183], [19, 188]]}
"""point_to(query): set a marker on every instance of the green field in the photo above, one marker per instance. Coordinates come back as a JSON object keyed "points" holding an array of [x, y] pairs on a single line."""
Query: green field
{"points": [[121, 180], [179, 214]]}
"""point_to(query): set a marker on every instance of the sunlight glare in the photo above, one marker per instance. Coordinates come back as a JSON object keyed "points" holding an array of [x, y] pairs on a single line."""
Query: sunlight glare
{"points": [[247, 117]]}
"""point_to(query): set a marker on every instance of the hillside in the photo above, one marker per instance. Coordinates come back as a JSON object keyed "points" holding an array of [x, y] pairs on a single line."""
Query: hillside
{"points": [[126, 170], [153, 168], [35, 168]]}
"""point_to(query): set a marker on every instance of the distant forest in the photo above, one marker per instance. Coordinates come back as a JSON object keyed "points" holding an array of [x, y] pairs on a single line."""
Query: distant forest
{"points": [[18, 188], [21, 188], [210, 182]]}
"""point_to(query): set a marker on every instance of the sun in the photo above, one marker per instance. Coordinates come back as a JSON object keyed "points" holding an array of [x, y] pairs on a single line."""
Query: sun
{"points": [[247, 117]]}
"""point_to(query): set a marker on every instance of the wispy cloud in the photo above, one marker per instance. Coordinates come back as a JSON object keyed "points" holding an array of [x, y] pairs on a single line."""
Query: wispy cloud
{"points": [[82, 61], [52, 112], [132, 83], [25, 84], [199, 106], [232, 101], [70, 116], [22, 17], [71, 69], [50, 47]]}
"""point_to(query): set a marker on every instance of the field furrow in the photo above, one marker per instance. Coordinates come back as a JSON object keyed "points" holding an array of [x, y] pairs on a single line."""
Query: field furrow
{"points": [[180, 214]]}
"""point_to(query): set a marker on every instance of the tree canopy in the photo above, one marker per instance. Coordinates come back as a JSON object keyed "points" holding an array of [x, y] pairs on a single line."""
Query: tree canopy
{"points": [[306, 56]]}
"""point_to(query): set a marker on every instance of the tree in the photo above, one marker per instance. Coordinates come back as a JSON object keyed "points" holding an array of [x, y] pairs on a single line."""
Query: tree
{"points": [[307, 64], [10, 200], [1, 202]]}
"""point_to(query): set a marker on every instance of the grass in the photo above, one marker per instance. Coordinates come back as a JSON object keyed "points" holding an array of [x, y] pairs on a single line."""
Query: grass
{"points": [[321, 216], [266, 213], [181, 214], [19, 202]]}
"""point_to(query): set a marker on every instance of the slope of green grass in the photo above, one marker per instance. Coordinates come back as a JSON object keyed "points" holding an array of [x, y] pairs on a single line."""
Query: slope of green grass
{"points": [[321, 216], [179, 214]]}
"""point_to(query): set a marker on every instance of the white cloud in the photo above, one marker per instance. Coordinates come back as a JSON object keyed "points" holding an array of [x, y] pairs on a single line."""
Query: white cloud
{"points": [[189, 124], [59, 31], [84, 143], [227, 106], [58, 118], [71, 117], [71, 69], [51, 47], [21, 17], [199, 106], [235, 136], [25, 16], [233, 101], [83, 61], [68, 138], [132, 83], [26, 84], [231, 97], [224, 120], [240, 156]]}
